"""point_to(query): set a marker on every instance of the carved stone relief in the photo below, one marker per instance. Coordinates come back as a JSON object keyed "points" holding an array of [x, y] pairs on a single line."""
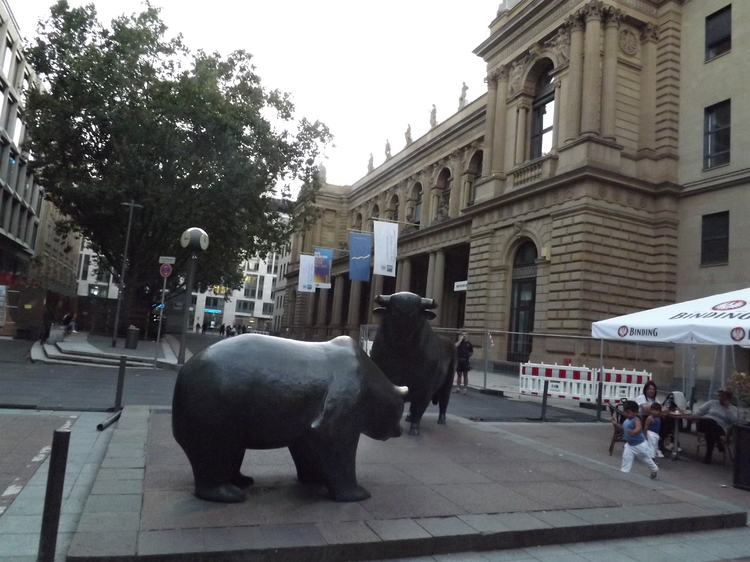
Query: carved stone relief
{"points": [[628, 42]]}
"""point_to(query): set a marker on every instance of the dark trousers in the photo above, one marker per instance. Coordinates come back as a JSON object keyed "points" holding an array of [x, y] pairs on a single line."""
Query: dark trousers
{"points": [[713, 432]]}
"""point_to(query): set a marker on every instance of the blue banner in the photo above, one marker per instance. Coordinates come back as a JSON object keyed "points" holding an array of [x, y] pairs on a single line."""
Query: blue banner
{"points": [[360, 248], [323, 261]]}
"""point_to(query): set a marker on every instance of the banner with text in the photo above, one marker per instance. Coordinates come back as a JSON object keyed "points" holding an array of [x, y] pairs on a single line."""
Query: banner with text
{"points": [[360, 249], [306, 274], [323, 261], [386, 241]]}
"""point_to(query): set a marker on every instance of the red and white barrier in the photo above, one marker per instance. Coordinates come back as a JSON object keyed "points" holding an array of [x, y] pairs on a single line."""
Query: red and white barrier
{"points": [[580, 383]]}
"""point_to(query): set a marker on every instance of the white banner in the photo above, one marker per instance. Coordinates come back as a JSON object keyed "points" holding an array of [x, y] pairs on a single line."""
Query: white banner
{"points": [[306, 274], [386, 242]]}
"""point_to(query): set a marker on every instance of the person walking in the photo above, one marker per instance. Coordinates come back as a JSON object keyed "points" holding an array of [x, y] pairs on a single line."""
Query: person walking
{"points": [[636, 446], [465, 350]]}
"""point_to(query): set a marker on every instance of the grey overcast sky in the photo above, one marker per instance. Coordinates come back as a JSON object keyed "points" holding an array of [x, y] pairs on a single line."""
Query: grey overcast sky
{"points": [[366, 69]]}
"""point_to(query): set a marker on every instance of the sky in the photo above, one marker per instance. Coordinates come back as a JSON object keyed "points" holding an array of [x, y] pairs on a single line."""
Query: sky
{"points": [[365, 69]]}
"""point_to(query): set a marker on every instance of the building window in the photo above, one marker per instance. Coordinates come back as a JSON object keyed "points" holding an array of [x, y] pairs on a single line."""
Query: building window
{"points": [[85, 268], [717, 125], [7, 57], [715, 239], [245, 306], [267, 308], [251, 286], [543, 115], [719, 32], [213, 302]]}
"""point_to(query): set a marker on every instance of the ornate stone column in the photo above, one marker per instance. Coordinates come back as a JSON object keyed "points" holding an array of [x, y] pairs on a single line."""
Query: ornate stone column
{"points": [[322, 308], [338, 300], [352, 321], [457, 159], [592, 70], [609, 72], [501, 122], [575, 79], [556, 119], [376, 288], [521, 133], [438, 284], [647, 126], [405, 275], [489, 125], [430, 276]]}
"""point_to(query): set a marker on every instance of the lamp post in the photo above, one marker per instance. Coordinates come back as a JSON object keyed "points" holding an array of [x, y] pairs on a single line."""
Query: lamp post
{"points": [[132, 204], [195, 240]]}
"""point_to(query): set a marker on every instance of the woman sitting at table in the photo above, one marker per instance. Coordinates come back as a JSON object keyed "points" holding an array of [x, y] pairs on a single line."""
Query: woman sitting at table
{"points": [[717, 416], [646, 398]]}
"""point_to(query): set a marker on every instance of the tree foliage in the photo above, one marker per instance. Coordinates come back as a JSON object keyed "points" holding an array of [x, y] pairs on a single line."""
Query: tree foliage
{"points": [[127, 114]]}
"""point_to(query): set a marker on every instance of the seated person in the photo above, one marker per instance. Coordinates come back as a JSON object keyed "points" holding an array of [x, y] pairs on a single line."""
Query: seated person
{"points": [[646, 398], [717, 416]]}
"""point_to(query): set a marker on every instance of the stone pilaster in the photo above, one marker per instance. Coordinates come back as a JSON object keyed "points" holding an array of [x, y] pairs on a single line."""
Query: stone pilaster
{"points": [[454, 206], [575, 80], [322, 307], [609, 72], [647, 126], [489, 124], [556, 120], [592, 74], [501, 119]]}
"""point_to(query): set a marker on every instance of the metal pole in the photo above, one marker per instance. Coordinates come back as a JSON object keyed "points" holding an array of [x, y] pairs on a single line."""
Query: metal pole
{"points": [[53, 495], [161, 316], [544, 400], [122, 274], [601, 382], [486, 355], [120, 383], [188, 302]]}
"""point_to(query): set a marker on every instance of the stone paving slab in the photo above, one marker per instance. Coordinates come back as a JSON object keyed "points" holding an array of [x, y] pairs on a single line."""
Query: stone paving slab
{"points": [[429, 496]]}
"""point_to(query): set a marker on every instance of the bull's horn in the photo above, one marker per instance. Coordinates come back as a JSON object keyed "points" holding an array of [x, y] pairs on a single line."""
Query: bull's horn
{"points": [[383, 299], [427, 303], [402, 390]]}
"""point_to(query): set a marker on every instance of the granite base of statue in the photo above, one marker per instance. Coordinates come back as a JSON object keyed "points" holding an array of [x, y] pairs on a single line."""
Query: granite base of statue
{"points": [[263, 392]]}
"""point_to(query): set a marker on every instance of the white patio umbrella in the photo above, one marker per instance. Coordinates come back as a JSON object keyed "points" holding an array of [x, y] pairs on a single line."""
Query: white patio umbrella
{"points": [[719, 319]]}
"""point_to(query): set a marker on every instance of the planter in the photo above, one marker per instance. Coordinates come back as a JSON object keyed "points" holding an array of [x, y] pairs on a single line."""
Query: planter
{"points": [[742, 456]]}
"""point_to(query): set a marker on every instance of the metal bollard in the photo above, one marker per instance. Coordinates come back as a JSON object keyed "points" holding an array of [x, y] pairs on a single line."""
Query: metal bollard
{"points": [[544, 401], [120, 383], [53, 495]]}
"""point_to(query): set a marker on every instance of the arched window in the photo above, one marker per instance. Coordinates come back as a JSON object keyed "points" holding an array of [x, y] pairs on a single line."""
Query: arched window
{"points": [[417, 194], [523, 301], [543, 114]]}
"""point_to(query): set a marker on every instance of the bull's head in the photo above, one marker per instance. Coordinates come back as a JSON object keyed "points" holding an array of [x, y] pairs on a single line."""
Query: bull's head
{"points": [[403, 305]]}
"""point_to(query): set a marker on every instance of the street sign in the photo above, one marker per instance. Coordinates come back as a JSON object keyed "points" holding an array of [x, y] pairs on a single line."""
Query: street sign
{"points": [[165, 270], [166, 259], [460, 285]]}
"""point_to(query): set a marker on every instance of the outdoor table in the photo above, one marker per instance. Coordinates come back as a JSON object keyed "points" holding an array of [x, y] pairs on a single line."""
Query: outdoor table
{"points": [[676, 428]]}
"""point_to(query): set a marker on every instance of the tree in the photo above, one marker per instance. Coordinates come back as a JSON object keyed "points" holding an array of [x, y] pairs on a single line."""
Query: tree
{"points": [[128, 115]]}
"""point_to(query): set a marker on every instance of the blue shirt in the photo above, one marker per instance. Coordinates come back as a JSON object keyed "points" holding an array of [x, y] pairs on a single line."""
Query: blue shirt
{"points": [[632, 440], [655, 425]]}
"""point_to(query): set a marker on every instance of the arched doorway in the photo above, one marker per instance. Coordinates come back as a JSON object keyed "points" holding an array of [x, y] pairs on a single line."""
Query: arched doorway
{"points": [[523, 300]]}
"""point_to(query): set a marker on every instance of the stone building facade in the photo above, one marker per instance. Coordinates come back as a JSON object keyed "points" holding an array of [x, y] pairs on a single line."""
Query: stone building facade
{"points": [[572, 191]]}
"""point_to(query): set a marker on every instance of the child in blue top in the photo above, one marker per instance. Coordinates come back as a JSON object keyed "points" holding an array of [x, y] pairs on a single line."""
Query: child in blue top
{"points": [[651, 428], [636, 445]]}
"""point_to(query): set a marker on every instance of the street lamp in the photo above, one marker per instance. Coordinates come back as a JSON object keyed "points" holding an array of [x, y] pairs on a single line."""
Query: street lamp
{"points": [[195, 240], [132, 204]]}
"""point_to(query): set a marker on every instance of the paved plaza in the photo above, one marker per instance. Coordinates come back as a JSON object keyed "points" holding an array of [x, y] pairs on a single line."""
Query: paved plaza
{"points": [[468, 491]]}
